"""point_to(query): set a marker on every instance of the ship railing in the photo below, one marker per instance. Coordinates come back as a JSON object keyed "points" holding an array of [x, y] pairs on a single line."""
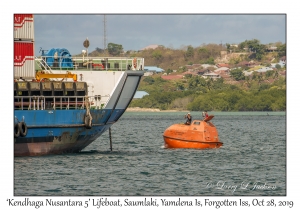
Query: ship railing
{"points": [[90, 63], [57, 102], [43, 64]]}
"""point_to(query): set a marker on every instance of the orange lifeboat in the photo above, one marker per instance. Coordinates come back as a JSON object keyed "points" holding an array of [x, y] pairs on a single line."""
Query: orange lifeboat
{"points": [[200, 134]]}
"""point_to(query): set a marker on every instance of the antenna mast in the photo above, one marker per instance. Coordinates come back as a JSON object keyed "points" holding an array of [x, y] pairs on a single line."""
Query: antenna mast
{"points": [[104, 36]]}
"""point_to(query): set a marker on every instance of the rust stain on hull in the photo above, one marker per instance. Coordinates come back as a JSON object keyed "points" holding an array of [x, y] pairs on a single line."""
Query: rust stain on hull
{"points": [[66, 143], [45, 148]]}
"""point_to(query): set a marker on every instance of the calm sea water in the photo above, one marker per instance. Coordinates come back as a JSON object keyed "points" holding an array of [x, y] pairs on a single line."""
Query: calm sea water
{"points": [[252, 161]]}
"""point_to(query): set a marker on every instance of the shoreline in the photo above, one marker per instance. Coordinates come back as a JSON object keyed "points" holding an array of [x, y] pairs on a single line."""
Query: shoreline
{"points": [[138, 109]]}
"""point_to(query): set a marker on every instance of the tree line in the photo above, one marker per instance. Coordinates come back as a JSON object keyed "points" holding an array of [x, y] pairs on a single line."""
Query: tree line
{"points": [[198, 94], [168, 58]]}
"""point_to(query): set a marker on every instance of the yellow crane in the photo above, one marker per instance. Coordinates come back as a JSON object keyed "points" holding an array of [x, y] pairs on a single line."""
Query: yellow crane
{"points": [[41, 75]]}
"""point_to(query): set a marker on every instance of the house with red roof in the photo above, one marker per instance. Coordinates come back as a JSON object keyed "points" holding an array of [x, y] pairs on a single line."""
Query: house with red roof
{"points": [[219, 65], [283, 58]]}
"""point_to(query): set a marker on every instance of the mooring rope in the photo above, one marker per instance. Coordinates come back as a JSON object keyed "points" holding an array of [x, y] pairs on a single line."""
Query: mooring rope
{"points": [[88, 116]]}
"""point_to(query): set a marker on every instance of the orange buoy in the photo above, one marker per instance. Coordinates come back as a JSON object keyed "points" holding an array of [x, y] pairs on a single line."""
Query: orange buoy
{"points": [[200, 134]]}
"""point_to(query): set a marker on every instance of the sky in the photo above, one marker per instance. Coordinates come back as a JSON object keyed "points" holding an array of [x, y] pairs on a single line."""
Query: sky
{"points": [[136, 31]]}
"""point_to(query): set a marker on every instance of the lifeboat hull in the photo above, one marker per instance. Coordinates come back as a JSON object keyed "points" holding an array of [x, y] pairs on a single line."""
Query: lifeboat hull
{"points": [[198, 135], [185, 144]]}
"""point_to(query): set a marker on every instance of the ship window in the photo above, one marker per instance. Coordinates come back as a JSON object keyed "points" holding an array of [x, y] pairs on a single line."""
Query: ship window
{"points": [[196, 123]]}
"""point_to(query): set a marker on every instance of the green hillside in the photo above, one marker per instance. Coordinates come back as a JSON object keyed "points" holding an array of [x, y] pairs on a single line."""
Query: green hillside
{"points": [[258, 92]]}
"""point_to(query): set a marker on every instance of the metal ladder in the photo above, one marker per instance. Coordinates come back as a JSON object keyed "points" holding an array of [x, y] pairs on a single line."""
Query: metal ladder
{"points": [[44, 64]]}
